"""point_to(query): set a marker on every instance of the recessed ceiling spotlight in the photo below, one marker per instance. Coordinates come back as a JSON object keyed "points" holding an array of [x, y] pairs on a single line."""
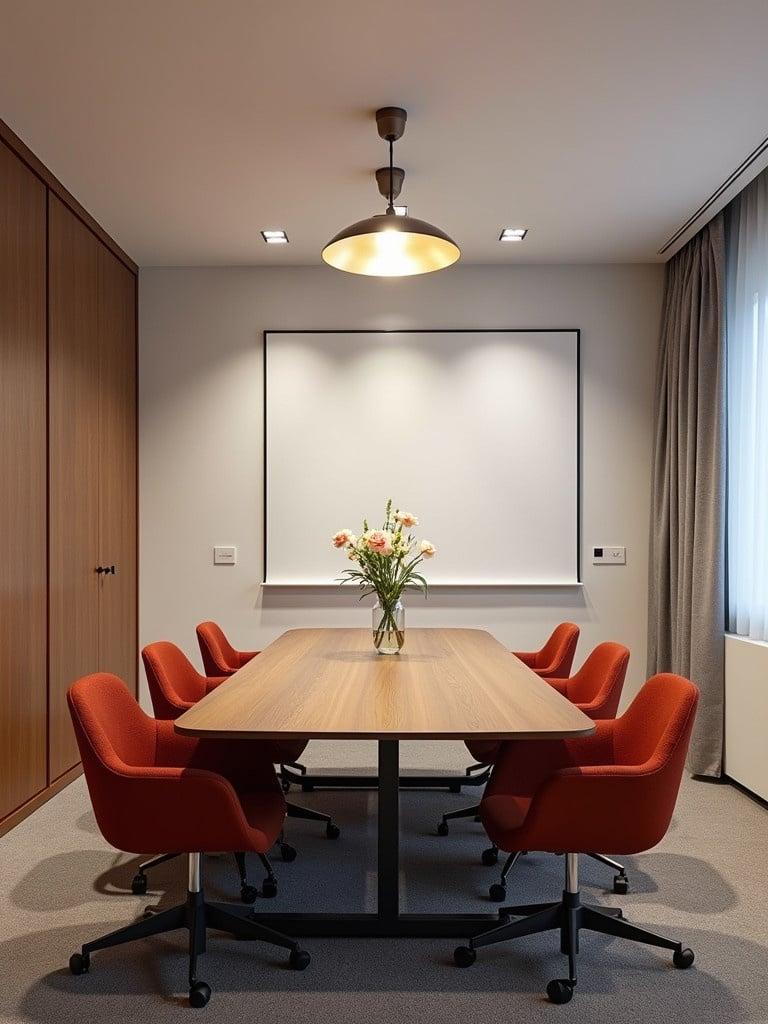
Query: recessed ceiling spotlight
{"points": [[513, 234], [275, 237]]}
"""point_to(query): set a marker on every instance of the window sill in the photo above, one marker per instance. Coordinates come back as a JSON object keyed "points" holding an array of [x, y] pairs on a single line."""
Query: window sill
{"points": [[746, 639]]}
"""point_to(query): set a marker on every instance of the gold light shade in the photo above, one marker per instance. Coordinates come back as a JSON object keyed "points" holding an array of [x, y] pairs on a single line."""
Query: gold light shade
{"points": [[387, 245]]}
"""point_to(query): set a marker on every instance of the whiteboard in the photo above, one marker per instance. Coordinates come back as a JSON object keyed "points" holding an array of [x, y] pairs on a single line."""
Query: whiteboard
{"points": [[476, 432]]}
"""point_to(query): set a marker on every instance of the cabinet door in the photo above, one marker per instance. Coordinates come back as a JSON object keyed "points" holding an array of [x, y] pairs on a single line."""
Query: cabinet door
{"points": [[117, 468], [23, 474], [73, 412]]}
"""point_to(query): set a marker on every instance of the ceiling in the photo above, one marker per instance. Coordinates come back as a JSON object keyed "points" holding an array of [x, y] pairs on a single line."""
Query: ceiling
{"points": [[186, 126]]}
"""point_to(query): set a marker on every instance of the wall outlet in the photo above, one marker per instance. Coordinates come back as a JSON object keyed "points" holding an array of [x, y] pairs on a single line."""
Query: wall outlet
{"points": [[224, 555], [609, 554]]}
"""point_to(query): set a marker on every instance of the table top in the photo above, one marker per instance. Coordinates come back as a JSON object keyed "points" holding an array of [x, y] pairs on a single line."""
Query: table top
{"points": [[332, 684]]}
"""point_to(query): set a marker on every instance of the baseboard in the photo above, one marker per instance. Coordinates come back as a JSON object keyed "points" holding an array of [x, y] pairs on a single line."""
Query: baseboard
{"points": [[761, 801], [12, 820]]}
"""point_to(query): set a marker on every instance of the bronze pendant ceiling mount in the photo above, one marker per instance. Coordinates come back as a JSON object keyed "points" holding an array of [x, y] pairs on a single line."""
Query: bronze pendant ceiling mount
{"points": [[389, 245]]}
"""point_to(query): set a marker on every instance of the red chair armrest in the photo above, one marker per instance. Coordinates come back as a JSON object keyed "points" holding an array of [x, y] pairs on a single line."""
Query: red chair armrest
{"points": [[246, 764], [522, 766], [169, 809], [619, 809]]}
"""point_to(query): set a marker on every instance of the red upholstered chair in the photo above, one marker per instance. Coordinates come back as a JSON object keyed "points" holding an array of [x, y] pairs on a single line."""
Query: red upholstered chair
{"points": [[175, 685], [596, 687], [553, 661], [555, 658], [613, 790], [595, 690], [219, 656], [153, 789], [221, 659]]}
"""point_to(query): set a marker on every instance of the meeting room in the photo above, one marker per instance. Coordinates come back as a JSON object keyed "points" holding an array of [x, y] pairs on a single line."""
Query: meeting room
{"points": [[383, 511]]}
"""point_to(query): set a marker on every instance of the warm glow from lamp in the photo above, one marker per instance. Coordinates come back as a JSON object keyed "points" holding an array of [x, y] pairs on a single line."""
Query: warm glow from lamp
{"points": [[391, 246]]}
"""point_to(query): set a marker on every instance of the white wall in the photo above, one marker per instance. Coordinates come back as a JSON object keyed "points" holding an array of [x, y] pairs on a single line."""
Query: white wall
{"points": [[201, 444], [746, 712]]}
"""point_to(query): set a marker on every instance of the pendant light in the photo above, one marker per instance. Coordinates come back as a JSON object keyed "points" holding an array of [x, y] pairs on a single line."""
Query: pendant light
{"points": [[387, 244]]}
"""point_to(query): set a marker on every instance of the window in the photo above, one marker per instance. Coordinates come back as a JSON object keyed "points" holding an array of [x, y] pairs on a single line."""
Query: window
{"points": [[747, 375]]}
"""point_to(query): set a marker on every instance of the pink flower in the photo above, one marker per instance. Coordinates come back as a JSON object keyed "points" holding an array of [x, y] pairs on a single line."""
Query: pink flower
{"points": [[342, 538], [379, 541], [407, 519], [427, 549]]}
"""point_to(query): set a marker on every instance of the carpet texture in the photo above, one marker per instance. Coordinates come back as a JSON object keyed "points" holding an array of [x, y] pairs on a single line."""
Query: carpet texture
{"points": [[705, 884]]}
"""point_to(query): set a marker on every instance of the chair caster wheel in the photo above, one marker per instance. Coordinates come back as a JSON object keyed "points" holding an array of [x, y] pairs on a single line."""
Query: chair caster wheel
{"points": [[268, 889], [299, 959], [442, 828], [79, 963], [199, 994], [621, 885], [560, 991], [287, 852], [464, 956], [497, 892], [248, 893], [139, 885], [682, 958], [490, 856], [332, 830], [286, 786]]}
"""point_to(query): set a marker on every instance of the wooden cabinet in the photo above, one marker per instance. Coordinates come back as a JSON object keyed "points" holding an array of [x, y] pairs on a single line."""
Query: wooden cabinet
{"points": [[73, 416], [92, 472], [23, 484], [67, 471], [117, 468]]}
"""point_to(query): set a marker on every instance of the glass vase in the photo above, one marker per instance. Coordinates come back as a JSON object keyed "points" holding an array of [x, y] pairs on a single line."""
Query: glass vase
{"points": [[388, 627]]}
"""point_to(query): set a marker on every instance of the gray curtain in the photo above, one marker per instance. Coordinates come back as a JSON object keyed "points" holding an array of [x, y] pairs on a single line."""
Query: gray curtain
{"points": [[686, 613]]}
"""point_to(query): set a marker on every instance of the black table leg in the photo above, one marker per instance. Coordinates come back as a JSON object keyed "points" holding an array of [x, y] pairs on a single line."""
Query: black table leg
{"points": [[387, 921], [389, 830]]}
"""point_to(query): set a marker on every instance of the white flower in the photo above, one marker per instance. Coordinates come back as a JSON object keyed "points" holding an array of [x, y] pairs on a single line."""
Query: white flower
{"points": [[427, 549]]}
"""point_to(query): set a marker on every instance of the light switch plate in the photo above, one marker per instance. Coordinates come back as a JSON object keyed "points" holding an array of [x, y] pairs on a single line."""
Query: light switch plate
{"points": [[224, 555], [609, 554]]}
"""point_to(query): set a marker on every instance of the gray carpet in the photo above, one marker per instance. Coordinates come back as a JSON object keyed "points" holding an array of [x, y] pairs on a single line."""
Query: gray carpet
{"points": [[705, 884]]}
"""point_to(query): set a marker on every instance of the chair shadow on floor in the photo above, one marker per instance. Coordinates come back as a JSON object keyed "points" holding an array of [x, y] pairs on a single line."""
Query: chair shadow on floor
{"points": [[439, 864], [93, 885], [506, 984], [87, 823]]}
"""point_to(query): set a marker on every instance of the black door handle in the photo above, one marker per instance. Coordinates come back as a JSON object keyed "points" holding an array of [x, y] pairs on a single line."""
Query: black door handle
{"points": [[100, 569]]}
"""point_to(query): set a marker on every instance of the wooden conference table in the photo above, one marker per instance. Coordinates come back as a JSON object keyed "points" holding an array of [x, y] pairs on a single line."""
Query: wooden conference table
{"points": [[446, 684]]}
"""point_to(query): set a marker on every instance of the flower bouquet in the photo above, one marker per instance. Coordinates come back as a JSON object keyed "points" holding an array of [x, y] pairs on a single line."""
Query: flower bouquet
{"points": [[387, 562]]}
